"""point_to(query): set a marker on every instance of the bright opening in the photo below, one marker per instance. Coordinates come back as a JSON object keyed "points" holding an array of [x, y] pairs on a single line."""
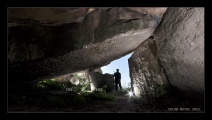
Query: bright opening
{"points": [[130, 94], [123, 66]]}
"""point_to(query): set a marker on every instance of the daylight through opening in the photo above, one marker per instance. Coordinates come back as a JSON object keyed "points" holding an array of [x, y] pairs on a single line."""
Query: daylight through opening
{"points": [[123, 66]]}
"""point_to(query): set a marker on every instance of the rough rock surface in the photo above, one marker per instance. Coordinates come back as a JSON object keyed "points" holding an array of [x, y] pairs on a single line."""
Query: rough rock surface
{"points": [[99, 80], [180, 43], [156, 11], [52, 16], [46, 16], [146, 72], [79, 78], [38, 52], [98, 70], [35, 41]]}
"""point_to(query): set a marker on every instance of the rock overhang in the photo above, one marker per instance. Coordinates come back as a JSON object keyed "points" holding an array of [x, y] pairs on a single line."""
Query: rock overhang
{"points": [[118, 39]]}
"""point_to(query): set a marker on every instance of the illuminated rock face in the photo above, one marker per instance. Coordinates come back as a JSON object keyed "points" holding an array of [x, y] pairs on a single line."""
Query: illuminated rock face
{"points": [[99, 80], [180, 45], [145, 71], [79, 78], [39, 50]]}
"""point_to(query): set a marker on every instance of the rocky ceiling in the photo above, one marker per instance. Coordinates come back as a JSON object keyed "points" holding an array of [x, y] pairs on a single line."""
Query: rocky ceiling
{"points": [[59, 16], [49, 42]]}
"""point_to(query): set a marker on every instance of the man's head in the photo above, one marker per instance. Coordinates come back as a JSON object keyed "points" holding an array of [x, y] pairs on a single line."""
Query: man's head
{"points": [[117, 70]]}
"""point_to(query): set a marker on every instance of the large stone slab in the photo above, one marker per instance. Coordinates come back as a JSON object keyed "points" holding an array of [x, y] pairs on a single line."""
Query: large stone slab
{"points": [[180, 43], [38, 52], [146, 72]]}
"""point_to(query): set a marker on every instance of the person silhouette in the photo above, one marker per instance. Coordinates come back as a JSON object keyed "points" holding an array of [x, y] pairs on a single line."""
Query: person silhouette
{"points": [[117, 76]]}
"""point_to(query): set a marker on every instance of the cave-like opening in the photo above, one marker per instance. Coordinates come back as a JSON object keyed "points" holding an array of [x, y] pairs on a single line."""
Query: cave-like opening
{"points": [[123, 66], [62, 51]]}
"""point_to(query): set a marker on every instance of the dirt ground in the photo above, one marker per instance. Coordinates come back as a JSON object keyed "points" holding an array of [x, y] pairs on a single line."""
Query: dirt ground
{"points": [[122, 104]]}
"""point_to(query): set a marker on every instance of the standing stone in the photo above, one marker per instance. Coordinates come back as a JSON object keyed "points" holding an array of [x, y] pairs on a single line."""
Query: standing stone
{"points": [[99, 80], [98, 70], [180, 43], [145, 70]]}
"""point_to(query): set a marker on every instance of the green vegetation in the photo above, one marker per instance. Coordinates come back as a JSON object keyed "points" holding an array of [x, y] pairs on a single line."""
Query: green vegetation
{"points": [[49, 85], [53, 94]]}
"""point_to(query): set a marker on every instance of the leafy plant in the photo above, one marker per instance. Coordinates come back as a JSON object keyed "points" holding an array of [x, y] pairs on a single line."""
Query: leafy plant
{"points": [[49, 85], [85, 87], [37, 95]]}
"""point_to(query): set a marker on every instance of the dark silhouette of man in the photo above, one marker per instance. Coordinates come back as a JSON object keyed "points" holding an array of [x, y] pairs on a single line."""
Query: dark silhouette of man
{"points": [[117, 76]]}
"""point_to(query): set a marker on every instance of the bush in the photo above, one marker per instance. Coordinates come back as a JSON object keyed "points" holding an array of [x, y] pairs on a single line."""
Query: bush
{"points": [[37, 95], [49, 85]]}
